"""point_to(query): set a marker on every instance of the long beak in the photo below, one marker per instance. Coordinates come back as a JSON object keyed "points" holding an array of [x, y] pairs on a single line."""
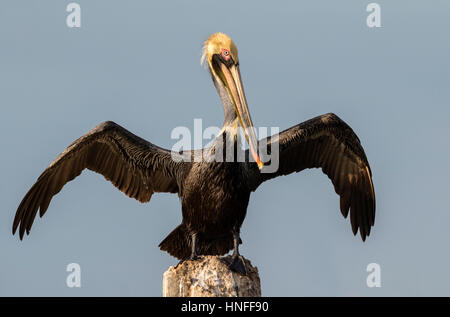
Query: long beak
{"points": [[233, 81]]}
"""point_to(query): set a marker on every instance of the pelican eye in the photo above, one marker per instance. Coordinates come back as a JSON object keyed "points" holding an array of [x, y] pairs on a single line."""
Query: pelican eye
{"points": [[225, 53]]}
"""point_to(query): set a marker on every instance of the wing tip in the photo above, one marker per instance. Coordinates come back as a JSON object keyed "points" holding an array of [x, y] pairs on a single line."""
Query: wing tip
{"points": [[21, 233], [363, 235]]}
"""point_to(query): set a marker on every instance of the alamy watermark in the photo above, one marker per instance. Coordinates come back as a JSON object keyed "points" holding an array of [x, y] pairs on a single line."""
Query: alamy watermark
{"points": [[74, 278], [374, 277], [74, 17], [374, 18], [228, 144]]}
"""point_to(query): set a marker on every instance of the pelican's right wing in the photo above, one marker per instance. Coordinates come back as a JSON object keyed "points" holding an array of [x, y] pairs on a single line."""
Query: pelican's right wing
{"points": [[136, 167]]}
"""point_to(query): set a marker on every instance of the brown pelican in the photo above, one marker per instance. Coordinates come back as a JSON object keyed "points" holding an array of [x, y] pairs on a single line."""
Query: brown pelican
{"points": [[214, 194]]}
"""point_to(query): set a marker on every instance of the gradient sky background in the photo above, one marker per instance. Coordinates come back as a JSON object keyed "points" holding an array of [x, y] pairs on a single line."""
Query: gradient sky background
{"points": [[138, 63]]}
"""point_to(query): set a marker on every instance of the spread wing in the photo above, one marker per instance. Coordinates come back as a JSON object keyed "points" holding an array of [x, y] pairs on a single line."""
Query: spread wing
{"points": [[329, 143], [136, 167]]}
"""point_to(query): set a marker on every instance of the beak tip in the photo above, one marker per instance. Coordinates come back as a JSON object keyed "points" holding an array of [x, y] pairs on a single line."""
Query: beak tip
{"points": [[260, 165]]}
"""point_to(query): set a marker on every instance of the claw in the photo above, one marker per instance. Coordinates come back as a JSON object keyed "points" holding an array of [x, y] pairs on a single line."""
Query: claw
{"points": [[235, 263], [190, 258]]}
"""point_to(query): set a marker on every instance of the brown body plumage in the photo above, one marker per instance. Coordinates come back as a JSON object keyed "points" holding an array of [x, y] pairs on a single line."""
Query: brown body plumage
{"points": [[214, 195]]}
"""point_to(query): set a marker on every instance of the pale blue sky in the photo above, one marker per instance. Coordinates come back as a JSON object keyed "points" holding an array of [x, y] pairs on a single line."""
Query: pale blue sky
{"points": [[138, 63]]}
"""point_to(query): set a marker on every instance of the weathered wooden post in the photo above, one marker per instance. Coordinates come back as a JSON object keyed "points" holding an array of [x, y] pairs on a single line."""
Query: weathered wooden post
{"points": [[210, 277]]}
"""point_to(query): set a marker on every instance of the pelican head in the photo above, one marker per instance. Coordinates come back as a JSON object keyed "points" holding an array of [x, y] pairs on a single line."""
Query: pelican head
{"points": [[221, 55]]}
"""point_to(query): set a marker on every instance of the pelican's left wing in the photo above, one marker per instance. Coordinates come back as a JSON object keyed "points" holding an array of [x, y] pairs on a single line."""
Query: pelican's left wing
{"points": [[329, 143]]}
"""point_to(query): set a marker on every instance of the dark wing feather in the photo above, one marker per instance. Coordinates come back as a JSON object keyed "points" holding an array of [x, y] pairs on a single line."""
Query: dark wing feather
{"points": [[136, 167], [329, 143]]}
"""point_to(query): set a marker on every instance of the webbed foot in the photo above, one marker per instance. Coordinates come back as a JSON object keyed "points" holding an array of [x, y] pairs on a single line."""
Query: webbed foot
{"points": [[190, 258], [235, 263]]}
